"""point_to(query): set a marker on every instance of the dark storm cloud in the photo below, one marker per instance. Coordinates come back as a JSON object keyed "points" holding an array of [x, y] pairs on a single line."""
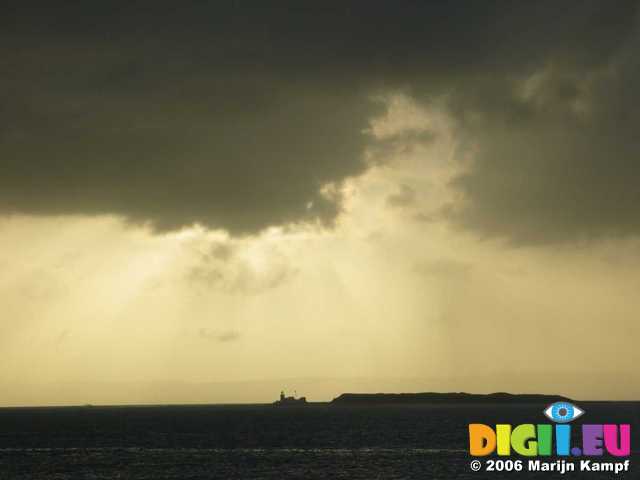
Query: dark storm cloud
{"points": [[559, 161], [236, 114]]}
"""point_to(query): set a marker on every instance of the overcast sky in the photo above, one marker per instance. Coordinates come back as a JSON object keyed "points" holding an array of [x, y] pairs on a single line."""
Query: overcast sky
{"points": [[211, 201]]}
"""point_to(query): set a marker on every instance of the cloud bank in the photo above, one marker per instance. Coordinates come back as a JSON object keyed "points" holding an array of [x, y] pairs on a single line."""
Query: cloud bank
{"points": [[237, 115]]}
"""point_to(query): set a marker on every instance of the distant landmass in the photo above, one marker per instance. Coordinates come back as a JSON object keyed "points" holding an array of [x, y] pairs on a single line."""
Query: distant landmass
{"points": [[431, 397]]}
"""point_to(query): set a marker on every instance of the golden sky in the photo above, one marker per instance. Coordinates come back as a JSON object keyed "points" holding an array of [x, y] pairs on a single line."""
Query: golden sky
{"points": [[100, 311]]}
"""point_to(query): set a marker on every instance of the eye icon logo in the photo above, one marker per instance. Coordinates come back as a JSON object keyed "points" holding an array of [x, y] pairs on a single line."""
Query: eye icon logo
{"points": [[563, 412]]}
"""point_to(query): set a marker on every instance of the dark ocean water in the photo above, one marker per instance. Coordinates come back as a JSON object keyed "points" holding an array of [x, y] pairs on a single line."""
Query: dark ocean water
{"points": [[265, 442]]}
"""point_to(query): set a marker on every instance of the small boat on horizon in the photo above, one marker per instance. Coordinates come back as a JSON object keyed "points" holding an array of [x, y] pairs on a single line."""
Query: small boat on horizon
{"points": [[290, 401]]}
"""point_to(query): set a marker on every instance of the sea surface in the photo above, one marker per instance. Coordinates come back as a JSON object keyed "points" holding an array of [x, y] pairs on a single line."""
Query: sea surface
{"points": [[319, 441]]}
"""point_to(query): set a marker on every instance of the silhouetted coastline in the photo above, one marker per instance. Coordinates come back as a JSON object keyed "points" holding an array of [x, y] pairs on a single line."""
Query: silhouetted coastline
{"points": [[432, 397]]}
